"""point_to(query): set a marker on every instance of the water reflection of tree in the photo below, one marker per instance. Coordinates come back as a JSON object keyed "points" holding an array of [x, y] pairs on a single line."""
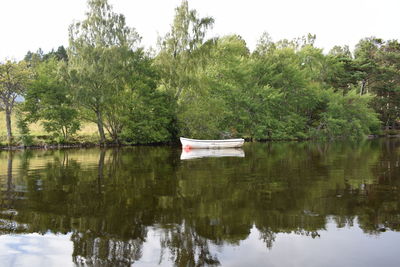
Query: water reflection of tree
{"points": [[187, 247], [277, 188], [95, 249], [8, 188], [379, 207]]}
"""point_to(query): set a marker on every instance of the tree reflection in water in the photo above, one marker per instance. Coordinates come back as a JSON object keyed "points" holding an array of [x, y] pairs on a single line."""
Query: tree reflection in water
{"points": [[108, 199]]}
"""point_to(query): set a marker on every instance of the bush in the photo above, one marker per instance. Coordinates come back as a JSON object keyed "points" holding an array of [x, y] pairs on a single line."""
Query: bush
{"points": [[24, 134]]}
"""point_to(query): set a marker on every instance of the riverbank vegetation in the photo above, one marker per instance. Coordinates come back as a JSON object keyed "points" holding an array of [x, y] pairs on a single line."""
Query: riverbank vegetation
{"points": [[196, 86]]}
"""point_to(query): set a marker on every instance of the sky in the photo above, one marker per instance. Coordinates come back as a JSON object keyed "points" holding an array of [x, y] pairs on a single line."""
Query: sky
{"points": [[27, 25]]}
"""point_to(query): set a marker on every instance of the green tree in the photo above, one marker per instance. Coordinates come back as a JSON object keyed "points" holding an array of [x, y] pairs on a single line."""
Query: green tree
{"points": [[39, 55], [150, 117], [366, 55], [379, 63], [344, 73], [348, 116], [22, 125], [387, 88], [13, 81], [97, 56], [59, 54], [144, 114], [296, 83], [225, 99], [183, 50], [48, 99], [292, 98]]}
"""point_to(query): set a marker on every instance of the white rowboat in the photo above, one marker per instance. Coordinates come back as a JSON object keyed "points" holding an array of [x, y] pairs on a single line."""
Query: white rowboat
{"points": [[195, 143]]}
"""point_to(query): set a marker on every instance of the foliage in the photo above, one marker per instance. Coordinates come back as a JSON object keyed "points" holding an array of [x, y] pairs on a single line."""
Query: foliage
{"points": [[379, 63], [24, 133], [39, 56], [149, 115], [49, 100], [150, 118], [100, 48], [347, 116], [183, 50], [292, 96]]}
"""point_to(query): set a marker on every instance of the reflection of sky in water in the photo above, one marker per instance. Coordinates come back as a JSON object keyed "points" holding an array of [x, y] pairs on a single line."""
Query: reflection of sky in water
{"points": [[35, 250], [335, 247]]}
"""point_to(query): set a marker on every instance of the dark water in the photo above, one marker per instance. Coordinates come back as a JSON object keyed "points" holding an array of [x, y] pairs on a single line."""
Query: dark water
{"points": [[283, 204]]}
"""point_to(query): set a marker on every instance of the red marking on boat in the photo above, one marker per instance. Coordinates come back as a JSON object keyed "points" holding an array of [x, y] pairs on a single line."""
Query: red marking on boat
{"points": [[187, 148]]}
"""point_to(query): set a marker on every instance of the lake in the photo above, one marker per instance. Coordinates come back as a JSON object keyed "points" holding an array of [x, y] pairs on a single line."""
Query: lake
{"points": [[270, 204]]}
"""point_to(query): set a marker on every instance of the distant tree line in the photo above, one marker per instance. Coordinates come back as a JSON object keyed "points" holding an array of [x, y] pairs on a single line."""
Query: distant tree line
{"points": [[202, 88]]}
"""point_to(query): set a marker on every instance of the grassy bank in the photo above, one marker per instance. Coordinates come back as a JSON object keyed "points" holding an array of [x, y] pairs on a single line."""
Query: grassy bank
{"points": [[86, 135]]}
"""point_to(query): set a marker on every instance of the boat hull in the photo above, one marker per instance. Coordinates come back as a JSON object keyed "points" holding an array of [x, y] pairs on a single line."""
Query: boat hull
{"points": [[195, 143]]}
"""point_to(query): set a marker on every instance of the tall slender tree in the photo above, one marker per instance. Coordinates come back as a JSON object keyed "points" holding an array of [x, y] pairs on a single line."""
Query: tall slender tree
{"points": [[97, 46], [13, 80], [183, 48]]}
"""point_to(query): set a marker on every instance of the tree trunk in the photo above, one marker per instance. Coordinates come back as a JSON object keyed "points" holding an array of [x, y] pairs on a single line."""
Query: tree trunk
{"points": [[101, 128], [363, 83], [115, 135], [112, 130], [115, 139], [8, 124]]}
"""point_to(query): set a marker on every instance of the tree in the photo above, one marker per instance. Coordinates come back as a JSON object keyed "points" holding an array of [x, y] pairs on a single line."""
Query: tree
{"points": [[59, 54], [48, 99], [379, 64], [343, 73], [284, 86], [137, 110], [97, 49], [224, 99], [39, 55], [365, 55], [387, 87], [183, 50], [296, 84], [347, 116], [150, 117], [13, 81], [184, 54]]}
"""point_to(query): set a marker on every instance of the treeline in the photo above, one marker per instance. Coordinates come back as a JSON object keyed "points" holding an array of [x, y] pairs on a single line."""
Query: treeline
{"points": [[200, 87]]}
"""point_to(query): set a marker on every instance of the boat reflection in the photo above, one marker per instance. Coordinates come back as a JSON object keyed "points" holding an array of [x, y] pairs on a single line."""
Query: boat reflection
{"points": [[213, 153]]}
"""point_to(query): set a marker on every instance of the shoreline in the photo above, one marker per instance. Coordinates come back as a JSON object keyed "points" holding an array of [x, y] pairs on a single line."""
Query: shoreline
{"points": [[110, 145], [77, 145]]}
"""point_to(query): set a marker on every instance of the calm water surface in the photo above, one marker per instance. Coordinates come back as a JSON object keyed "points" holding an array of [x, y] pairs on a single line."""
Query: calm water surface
{"points": [[274, 204]]}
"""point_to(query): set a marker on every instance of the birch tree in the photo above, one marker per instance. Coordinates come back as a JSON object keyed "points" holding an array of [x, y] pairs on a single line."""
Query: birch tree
{"points": [[97, 49], [183, 49]]}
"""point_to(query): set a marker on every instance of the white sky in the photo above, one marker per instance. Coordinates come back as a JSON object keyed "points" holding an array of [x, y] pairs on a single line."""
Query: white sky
{"points": [[30, 24]]}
